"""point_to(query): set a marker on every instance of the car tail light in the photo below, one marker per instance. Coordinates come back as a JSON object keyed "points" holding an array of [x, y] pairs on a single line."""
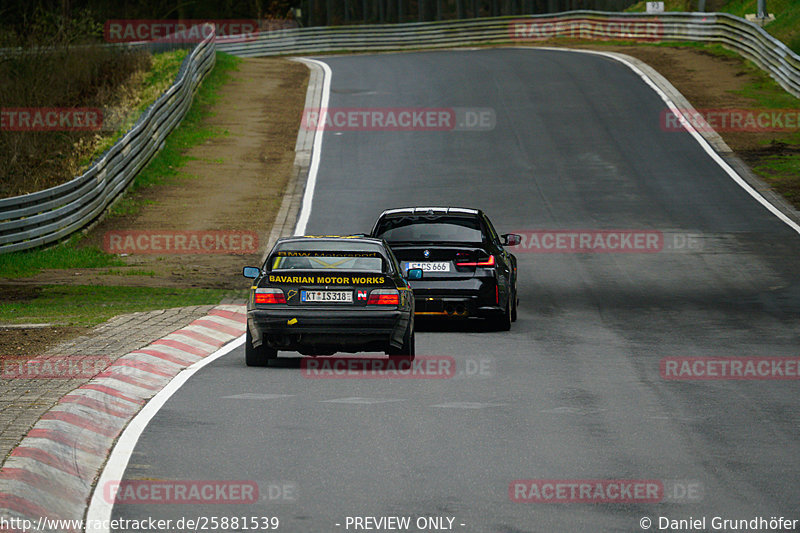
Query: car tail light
{"points": [[270, 296], [485, 263], [384, 297], [497, 295]]}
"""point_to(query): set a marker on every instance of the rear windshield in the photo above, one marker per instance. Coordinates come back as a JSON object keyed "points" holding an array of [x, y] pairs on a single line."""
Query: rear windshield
{"points": [[295, 258], [425, 229]]}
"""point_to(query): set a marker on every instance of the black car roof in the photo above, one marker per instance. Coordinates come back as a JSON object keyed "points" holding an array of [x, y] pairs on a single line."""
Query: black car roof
{"points": [[431, 210]]}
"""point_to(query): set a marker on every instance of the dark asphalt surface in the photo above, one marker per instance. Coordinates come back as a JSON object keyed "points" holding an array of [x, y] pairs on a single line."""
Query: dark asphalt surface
{"points": [[573, 391]]}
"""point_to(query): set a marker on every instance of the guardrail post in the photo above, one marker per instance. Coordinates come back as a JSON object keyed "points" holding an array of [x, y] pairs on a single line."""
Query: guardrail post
{"points": [[761, 12]]}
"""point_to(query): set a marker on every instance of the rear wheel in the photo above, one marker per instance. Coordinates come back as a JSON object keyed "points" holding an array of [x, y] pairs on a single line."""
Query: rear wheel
{"points": [[502, 322], [257, 356], [514, 304], [407, 350]]}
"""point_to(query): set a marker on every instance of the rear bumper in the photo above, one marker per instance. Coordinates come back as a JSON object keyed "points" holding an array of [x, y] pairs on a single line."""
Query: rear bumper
{"points": [[321, 331], [456, 298]]}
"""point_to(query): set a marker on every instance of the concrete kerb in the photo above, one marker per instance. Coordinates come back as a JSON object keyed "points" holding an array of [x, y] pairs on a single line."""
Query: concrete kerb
{"points": [[52, 471]]}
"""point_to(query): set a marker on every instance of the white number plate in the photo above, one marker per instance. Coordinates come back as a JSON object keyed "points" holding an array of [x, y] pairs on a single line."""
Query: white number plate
{"points": [[326, 296], [431, 266]]}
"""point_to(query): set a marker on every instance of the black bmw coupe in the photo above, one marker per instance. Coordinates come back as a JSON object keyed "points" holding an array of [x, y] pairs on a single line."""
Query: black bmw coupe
{"points": [[321, 295]]}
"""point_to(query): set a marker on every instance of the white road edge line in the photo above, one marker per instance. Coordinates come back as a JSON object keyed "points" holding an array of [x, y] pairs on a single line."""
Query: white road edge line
{"points": [[99, 511], [689, 128], [316, 151]]}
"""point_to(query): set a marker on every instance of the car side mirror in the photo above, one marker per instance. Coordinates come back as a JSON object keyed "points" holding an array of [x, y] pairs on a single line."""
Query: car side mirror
{"points": [[414, 274], [511, 239], [251, 272]]}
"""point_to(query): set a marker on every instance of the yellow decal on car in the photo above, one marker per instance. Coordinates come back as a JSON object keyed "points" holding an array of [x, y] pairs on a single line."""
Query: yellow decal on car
{"points": [[328, 280]]}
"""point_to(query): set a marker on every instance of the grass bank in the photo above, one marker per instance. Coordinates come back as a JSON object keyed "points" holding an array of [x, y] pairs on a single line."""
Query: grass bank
{"points": [[89, 305], [785, 27]]}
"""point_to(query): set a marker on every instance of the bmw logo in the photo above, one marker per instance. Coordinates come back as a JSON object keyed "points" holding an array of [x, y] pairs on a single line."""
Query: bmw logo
{"points": [[426, 253]]}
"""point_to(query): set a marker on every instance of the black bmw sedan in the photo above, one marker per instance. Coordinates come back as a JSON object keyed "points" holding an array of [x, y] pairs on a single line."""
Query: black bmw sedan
{"points": [[468, 272]]}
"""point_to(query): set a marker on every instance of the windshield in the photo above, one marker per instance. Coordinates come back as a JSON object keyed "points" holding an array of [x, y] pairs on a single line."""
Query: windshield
{"points": [[421, 229]]}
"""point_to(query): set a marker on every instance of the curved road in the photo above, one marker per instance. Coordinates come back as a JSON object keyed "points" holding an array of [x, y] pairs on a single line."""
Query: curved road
{"points": [[574, 390]]}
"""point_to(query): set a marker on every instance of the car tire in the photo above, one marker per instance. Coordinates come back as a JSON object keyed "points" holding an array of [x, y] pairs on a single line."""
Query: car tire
{"points": [[514, 304], [502, 322], [407, 350], [260, 356]]}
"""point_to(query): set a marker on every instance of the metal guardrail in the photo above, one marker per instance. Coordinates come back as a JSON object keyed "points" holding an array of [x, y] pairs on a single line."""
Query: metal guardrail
{"points": [[47, 216], [737, 34]]}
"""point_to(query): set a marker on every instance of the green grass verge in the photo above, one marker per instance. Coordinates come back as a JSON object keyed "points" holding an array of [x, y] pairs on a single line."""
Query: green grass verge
{"points": [[89, 305], [62, 256], [158, 79], [782, 170]]}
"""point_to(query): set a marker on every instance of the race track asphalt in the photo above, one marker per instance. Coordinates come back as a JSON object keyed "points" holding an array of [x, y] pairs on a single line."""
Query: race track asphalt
{"points": [[574, 390]]}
